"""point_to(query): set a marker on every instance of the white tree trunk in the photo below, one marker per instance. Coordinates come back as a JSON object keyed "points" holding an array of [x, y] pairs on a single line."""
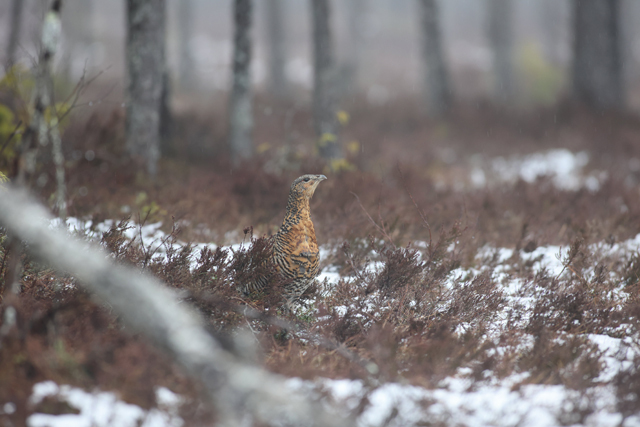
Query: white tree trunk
{"points": [[40, 129]]}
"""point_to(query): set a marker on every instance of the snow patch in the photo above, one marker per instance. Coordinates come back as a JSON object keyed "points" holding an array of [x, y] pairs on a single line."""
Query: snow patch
{"points": [[104, 409]]}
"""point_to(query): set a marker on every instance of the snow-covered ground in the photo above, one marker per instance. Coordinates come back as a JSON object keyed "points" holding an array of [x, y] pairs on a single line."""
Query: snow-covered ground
{"points": [[456, 400], [99, 409], [565, 169], [456, 403]]}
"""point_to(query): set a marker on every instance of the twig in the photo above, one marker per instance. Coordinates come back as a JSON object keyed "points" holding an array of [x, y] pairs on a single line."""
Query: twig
{"points": [[355, 269], [380, 229], [15, 131], [422, 214], [371, 368]]}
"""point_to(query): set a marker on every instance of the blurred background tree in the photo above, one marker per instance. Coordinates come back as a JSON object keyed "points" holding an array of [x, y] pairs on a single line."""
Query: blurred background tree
{"points": [[277, 49], [514, 53], [324, 82], [185, 17], [15, 24], [437, 86], [597, 61], [78, 32], [146, 74], [501, 39], [240, 108], [357, 15]]}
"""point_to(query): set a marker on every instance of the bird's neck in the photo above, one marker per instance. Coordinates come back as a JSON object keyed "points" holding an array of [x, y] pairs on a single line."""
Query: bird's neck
{"points": [[297, 209]]}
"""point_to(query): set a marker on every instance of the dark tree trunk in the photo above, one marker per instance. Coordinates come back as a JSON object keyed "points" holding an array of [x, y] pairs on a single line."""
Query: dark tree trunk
{"points": [[500, 13], [597, 70], [629, 36], [166, 119], [146, 67], [437, 87], [277, 49], [186, 18], [324, 96], [14, 32], [240, 111]]}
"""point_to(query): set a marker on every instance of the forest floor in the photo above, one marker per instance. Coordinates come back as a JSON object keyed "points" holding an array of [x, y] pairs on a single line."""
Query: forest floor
{"points": [[485, 268]]}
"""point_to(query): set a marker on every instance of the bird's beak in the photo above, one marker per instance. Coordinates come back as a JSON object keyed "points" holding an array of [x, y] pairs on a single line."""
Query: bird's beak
{"points": [[321, 178]]}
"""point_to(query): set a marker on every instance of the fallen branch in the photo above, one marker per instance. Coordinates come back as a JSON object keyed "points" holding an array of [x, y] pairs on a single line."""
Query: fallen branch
{"points": [[240, 391]]}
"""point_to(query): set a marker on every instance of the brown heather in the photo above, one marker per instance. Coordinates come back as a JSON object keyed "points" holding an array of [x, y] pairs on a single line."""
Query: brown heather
{"points": [[409, 316]]}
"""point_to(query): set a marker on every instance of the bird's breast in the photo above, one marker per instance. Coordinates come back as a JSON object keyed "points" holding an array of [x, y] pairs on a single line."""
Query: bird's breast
{"points": [[297, 253]]}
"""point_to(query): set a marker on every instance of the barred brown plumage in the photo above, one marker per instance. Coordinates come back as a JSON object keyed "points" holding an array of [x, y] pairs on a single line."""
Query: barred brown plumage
{"points": [[295, 249]]}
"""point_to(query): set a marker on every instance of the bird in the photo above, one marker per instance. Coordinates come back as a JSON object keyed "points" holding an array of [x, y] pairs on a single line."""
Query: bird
{"points": [[295, 253]]}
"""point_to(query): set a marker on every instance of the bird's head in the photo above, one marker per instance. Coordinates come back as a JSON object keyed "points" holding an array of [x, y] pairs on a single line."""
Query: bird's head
{"points": [[306, 185]]}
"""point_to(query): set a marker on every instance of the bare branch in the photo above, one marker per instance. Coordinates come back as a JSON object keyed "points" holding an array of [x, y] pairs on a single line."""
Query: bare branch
{"points": [[381, 229], [15, 131]]}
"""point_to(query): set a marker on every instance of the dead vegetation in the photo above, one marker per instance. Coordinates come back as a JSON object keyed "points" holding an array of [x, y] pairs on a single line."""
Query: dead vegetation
{"points": [[435, 306]]}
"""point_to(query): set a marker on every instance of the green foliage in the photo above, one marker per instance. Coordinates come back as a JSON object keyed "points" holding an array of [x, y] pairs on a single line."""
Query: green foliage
{"points": [[149, 210], [7, 127], [541, 80], [339, 165], [19, 84]]}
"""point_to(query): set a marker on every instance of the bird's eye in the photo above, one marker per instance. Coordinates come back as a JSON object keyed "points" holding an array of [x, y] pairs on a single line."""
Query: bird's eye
{"points": [[306, 180]]}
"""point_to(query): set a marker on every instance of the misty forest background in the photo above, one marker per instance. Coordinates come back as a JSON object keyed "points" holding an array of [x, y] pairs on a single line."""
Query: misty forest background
{"points": [[464, 141]]}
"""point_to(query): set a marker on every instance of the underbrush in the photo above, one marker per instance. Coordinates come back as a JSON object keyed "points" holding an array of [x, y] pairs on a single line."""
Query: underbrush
{"points": [[422, 284], [412, 314]]}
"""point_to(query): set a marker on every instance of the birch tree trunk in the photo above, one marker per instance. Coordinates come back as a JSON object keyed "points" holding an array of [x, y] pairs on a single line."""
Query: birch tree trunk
{"points": [[146, 66], [437, 86], [597, 68], [324, 96], [14, 32], [500, 13], [277, 49], [42, 129], [241, 109]]}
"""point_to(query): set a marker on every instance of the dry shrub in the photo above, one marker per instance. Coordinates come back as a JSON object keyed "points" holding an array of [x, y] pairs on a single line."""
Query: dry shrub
{"points": [[401, 269], [475, 301], [569, 360], [627, 386], [409, 316]]}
